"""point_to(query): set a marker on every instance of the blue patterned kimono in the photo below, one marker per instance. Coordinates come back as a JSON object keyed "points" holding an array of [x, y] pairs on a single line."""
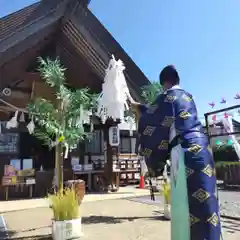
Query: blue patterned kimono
{"points": [[172, 121]]}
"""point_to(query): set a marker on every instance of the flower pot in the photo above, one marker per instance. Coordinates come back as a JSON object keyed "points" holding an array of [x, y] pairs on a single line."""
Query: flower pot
{"points": [[167, 212], [64, 230]]}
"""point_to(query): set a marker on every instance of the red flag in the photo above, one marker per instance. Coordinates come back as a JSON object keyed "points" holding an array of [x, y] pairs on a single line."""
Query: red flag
{"points": [[214, 118]]}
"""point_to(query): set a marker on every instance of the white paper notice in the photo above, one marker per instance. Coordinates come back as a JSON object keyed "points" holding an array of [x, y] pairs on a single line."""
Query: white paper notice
{"points": [[27, 163], [74, 161], [16, 163]]}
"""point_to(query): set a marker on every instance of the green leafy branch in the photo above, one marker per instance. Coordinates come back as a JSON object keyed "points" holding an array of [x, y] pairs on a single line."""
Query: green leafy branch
{"points": [[151, 91], [60, 118]]}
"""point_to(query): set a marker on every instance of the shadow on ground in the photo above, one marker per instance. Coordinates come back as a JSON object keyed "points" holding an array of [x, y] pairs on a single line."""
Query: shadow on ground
{"points": [[117, 220], [109, 193], [229, 188], [231, 226], [12, 235], [39, 237]]}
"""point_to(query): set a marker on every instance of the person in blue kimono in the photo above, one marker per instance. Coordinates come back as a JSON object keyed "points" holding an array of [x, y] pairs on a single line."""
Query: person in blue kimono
{"points": [[172, 121]]}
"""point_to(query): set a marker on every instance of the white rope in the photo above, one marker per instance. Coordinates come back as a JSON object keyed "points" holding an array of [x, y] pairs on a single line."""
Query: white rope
{"points": [[14, 107]]}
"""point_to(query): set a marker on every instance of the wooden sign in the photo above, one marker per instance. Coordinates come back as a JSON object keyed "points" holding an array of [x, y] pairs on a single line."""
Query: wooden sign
{"points": [[77, 168], [114, 136], [7, 181], [30, 181], [88, 167], [9, 171], [26, 172]]}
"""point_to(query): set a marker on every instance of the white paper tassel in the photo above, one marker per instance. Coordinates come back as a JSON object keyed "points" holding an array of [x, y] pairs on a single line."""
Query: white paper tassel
{"points": [[165, 171], [22, 117], [79, 121], [131, 123], [31, 127], [91, 127], [13, 123], [66, 151], [113, 101]]}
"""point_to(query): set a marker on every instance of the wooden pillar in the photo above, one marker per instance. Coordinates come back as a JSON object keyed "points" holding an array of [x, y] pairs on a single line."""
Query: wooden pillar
{"points": [[109, 151], [108, 155], [82, 149]]}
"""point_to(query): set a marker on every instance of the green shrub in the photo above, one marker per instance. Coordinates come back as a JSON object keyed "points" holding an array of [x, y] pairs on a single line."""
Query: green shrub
{"points": [[223, 167], [226, 164], [224, 154]]}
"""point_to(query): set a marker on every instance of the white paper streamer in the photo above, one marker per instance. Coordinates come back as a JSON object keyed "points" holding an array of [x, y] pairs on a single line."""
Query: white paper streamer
{"points": [[113, 101], [22, 117], [13, 123], [66, 151], [31, 127]]}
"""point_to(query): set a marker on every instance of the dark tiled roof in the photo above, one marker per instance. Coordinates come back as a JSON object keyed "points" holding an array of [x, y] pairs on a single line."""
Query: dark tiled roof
{"points": [[13, 21]]}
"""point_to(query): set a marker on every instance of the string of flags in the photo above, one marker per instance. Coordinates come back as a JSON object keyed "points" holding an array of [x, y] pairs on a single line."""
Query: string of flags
{"points": [[224, 101], [225, 115], [219, 118]]}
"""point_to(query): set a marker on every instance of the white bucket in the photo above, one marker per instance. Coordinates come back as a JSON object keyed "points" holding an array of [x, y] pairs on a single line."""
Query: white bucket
{"points": [[64, 230], [167, 211]]}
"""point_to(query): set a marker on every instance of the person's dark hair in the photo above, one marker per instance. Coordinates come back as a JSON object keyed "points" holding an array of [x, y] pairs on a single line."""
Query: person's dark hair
{"points": [[169, 74]]}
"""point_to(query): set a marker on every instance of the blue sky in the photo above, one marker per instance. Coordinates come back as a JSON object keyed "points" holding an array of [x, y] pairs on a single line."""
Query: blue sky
{"points": [[201, 38]]}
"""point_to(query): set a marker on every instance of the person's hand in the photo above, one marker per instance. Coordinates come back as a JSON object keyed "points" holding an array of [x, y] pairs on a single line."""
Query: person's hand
{"points": [[131, 102]]}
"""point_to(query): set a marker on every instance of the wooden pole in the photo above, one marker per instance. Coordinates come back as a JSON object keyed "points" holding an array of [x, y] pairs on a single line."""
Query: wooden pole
{"points": [[59, 150], [108, 169]]}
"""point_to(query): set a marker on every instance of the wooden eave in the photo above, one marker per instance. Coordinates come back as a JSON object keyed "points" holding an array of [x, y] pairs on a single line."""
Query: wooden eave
{"points": [[107, 43], [96, 45]]}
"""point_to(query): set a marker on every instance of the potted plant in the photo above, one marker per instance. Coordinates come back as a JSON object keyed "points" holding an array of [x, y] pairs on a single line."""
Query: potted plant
{"points": [[66, 215], [166, 196], [59, 124], [166, 191]]}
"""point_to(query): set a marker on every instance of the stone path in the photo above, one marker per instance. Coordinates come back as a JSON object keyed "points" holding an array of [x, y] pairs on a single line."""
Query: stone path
{"points": [[230, 202], [124, 192], [110, 219]]}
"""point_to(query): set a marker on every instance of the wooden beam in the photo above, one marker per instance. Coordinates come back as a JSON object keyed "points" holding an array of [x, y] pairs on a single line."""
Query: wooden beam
{"points": [[42, 90], [16, 95], [6, 109], [31, 76], [23, 90], [4, 115], [19, 103]]}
